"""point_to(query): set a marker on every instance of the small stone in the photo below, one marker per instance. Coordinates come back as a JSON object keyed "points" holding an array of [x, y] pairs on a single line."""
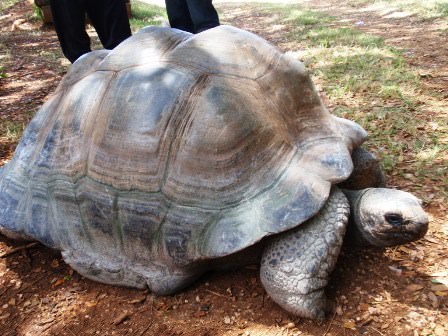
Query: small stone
{"points": [[385, 326], [290, 325], [339, 311], [227, 320]]}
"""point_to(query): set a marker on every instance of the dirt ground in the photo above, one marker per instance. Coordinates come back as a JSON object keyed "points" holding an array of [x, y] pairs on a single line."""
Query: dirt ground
{"points": [[400, 291]]}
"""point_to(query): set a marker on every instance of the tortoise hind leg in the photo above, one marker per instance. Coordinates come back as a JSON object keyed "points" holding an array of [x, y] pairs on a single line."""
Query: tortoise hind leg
{"points": [[160, 279], [295, 266]]}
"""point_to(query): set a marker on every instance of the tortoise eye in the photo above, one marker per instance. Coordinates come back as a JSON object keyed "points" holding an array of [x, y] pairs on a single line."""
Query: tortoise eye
{"points": [[394, 219]]}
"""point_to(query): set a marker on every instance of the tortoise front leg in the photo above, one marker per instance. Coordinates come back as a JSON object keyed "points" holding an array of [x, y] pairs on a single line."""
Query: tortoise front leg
{"points": [[296, 265]]}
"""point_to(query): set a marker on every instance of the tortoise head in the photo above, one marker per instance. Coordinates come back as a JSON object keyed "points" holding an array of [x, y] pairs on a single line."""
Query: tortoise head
{"points": [[385, 217]]}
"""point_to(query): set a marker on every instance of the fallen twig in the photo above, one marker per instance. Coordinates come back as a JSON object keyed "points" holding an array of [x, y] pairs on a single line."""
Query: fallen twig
{"points": [[20, 248], [146, 329], [121, 318], [68, 329], [217, 294], [6, 289], [379, 332], [329, 325]]}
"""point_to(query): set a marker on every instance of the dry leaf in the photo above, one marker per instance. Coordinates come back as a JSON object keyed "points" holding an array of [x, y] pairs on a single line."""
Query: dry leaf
{"points": [[54, 263], [414, 288], [432, 240], [200, 313], [349, 325], [405, 249], [59, 282], [439, 288], [363, 306], [43, 322], [139, 300]]}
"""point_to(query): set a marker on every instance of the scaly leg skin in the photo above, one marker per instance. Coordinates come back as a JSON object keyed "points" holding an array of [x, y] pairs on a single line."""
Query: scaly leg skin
{"points": [[296, 265]]}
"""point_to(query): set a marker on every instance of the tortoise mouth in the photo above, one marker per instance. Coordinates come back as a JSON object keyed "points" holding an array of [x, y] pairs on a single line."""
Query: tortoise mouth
{"points": [[406, 233]]}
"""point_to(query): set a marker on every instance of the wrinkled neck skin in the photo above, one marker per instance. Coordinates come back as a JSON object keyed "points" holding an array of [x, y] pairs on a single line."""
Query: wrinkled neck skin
{"points": [[384, 217], [354, 235]]}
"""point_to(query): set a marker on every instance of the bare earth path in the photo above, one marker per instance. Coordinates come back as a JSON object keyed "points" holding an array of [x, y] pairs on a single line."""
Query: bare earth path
{"points": [[402, 291]]}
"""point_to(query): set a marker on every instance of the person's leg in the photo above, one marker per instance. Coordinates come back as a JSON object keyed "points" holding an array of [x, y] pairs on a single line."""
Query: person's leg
{"points": [[178, 15], [69, 23], [203, 14], [110, 19]]}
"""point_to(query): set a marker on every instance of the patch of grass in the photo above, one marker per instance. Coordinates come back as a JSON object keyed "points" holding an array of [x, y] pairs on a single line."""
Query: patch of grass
{"points": [[316, 28], [327, 37], [296, 15], [37, 13], [4, 4], [378, 72], [11, 131], [2, 72], [5, 58], [442, 8], [426, 9], [144, 14]]}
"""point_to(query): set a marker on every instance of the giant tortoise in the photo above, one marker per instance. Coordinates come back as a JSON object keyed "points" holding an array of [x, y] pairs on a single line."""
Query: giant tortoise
{"points": [[174, 154]]}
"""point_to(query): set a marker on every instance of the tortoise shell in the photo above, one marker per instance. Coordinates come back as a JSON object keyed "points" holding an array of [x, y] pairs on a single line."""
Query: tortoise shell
{"points": [[176, 148]]}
